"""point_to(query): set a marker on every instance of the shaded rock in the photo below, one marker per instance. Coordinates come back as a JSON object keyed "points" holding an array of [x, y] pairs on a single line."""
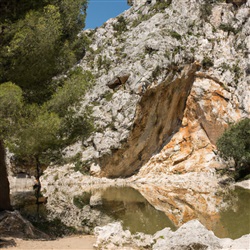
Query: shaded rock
{"points": [[7, 243], [237, 2], [153, 126], [120, 79], [12, 224]]}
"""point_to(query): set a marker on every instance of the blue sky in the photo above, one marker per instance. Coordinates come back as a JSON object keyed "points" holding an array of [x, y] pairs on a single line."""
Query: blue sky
{"points": [[99, 11]]}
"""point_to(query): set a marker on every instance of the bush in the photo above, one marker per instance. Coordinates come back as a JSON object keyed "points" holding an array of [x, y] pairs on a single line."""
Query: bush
{"points": [[160, 6], [235, 144], [207, 62], [228, 28], [120, 26], [175, 35], [70, 91]]}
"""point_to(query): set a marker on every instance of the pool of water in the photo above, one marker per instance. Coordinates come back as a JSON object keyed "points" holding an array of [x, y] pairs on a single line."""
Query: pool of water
{"points": [[129, 206], [235, 219], [133, 210]]}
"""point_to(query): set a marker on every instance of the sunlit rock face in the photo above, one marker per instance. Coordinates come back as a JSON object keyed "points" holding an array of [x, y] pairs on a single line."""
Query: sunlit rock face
{"points": [[209, 109], [159, 114], [166, 88], [167, 114]]}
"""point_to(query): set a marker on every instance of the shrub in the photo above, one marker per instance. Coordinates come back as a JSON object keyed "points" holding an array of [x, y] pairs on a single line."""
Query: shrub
{"points": [[175, 35], [156, 72], [161, 5], [103, 63], [207, 62], [70, 90], [228, 28], [235, 144], [120, 26]]}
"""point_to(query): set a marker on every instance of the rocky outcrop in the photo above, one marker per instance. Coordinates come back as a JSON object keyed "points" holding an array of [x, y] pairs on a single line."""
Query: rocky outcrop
{"points": [[187, 78], [166, 110], [118, 80], [243, 184], [7, 243], [181, 197], [159, 115], [192, 235], [192, 148], [12, 224]]}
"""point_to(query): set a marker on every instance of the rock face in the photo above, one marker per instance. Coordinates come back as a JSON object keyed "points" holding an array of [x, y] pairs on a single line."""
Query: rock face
{"points": [[192, 235], [12, 224], [167, 86], [170, 77], [153, 125]]}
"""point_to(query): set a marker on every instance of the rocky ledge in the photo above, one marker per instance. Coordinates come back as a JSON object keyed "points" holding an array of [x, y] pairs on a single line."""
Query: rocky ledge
{"points": [[190, 236]]}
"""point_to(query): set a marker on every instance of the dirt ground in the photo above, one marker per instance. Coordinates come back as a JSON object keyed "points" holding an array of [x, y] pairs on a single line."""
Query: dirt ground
{"points": [[75, 242]]}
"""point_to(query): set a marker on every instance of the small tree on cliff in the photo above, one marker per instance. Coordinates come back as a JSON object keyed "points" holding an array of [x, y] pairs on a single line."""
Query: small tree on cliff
{"points": [[29, 131], [235, 144], [37, 138]]}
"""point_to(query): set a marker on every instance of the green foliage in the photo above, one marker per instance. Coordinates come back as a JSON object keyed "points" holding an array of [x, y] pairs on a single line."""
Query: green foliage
{"points": [[103, 63], [141, 18], [206, 11], [207, 62], [235, 143], [73, 14], [235, 69], [39, 41], [11, 103], [228, 28], [82, 166], [156, 72], [76, 127], [120, 26], [206, 8], [37, 134], [108, 96], [70, 90], [160, 6], [175, 35]]}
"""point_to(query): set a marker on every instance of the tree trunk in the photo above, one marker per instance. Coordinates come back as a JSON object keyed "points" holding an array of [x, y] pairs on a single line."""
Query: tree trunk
{"points": [[38, 188], [4, 182]]}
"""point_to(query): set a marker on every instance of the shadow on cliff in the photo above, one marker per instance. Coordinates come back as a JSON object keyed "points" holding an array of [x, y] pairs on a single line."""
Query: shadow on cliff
{"points": [[158, 117]]}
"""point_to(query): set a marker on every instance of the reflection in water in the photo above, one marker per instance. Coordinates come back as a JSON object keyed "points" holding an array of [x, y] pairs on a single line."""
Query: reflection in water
{"points": [[129, 206], [236, 218], [149, 208]]}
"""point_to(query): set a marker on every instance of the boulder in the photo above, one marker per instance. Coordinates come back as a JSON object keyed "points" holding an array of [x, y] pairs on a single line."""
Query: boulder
{"points": [[12, 224], [7, 243], [192, 235], [237, 2], [118, 80]]}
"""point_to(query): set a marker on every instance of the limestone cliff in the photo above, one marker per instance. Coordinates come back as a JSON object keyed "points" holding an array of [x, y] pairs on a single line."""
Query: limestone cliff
{"points": [[170, 77]]}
